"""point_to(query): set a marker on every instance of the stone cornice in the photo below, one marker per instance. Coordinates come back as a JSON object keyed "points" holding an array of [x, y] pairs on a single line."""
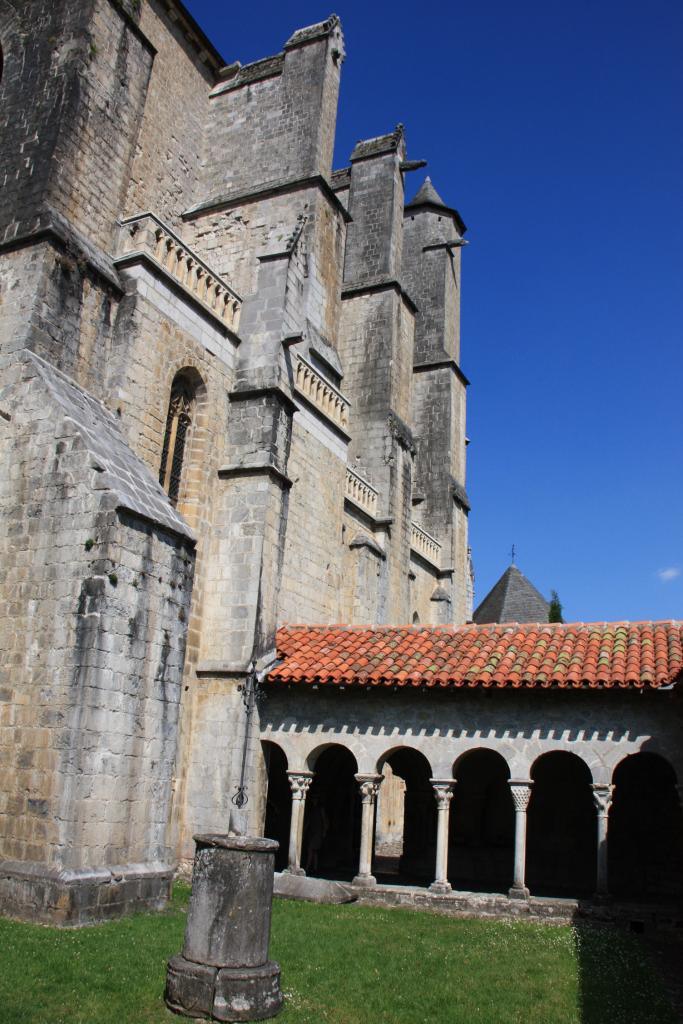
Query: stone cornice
{"points": [[282, 186], [56, 229], [248, 392], [410, 208], [257, 469], [441, 364], [364, 540], [380, 284]]}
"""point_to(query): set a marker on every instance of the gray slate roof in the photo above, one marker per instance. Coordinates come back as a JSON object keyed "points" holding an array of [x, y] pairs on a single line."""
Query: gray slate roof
{"points": [[512, 599], [122, 472], [427, 194]]}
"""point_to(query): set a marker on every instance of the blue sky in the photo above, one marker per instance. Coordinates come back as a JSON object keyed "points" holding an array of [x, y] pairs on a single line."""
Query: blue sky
{"points": [[555, 129]]}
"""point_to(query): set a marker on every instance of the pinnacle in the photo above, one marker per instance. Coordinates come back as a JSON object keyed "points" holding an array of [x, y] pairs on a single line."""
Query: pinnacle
{"points": [[427, 194]]}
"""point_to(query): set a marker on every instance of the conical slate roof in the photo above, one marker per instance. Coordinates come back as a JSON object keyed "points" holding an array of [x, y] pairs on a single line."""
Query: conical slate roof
{"points": [[512, 599], [427, 194]]}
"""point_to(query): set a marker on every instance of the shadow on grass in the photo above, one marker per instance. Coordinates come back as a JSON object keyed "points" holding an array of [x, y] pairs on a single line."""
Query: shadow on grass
{"points": [[618, 981]]}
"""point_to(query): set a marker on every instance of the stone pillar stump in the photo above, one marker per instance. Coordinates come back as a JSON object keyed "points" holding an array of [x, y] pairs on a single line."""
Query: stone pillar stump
{"points": [[223, 972]]}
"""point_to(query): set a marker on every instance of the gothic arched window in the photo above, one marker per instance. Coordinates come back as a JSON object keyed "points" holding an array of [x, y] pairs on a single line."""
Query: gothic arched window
{"points": [[178, 423]]}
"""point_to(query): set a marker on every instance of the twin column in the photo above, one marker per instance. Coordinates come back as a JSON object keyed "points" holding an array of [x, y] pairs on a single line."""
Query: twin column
{"points": [[299, 783]]}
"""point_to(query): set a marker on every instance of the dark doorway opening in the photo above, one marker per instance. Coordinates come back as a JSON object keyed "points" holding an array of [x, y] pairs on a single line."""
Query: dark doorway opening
{"points": [[331, 839], [482, 824], [417, 850], [561, 827], [278, 801], [645, 836]]}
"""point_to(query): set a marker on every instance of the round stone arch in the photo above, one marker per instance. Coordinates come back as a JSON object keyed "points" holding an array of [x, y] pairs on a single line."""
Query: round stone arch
{"points": [[482, 821], [406, 814], [331, 829], [517, 767], [672, 754], [522, 761], [645, 848], [312, 757], [561, 825], [399, 749]]}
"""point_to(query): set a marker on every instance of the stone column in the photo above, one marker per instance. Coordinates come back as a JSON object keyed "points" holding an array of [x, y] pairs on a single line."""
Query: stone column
{"points": [[521, 792], [602, 798], [369, 788], [299, 783], [443, 792]]}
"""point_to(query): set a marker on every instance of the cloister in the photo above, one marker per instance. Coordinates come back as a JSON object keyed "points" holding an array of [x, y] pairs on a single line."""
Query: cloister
{"points": [[554, 790]]}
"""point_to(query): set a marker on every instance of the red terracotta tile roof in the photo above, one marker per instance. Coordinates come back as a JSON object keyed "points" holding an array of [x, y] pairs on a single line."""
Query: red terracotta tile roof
{"points": [[569, 655]]}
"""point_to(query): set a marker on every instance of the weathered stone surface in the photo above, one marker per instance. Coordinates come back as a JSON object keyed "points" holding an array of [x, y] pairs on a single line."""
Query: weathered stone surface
{"points": [[73, 898], [190, 987], [228, 923], [314, 890], [224, 972], [121, 717], [251, 993]]}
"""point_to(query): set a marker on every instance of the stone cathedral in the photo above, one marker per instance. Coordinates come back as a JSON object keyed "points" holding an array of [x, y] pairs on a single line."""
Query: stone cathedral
{"points": [[232, 413]]}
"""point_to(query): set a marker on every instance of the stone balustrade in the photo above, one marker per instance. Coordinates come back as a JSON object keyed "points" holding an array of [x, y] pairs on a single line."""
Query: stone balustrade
{"points": [[361, 492], [424, 544], [148, 235], [320, 393]]}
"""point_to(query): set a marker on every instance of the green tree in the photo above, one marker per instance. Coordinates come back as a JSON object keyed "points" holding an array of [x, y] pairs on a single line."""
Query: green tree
{"points": [[555, 610]]}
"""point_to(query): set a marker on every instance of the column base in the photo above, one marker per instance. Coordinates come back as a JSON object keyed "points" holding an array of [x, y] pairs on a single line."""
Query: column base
{"points": [[519, 893], [223, 993], [364, 881], [441, 887], [601, 897], [293, 871]]}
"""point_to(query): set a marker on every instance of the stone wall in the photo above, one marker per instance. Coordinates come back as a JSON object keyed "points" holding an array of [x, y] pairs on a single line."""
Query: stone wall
{"points": [[274, 119], [170, 142], [312, 570], [94, 625], [150, 191], [85, 69]]}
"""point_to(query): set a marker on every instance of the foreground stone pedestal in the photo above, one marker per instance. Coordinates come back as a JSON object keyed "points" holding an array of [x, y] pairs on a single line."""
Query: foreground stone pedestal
{"points": [[223, 972]]}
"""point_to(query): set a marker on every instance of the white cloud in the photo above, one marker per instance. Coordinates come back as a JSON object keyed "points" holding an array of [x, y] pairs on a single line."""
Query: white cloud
{"points": [[667, 575]]}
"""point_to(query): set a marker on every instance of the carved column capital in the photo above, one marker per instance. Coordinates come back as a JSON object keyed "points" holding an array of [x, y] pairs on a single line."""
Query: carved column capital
{"points": [[602, 797], [521, 793], [369, 787], [299, 783], [443, 791]]}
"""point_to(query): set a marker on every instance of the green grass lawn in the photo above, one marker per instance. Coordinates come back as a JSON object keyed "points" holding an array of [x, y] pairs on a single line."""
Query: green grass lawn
{"points": [[344, 964]]}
